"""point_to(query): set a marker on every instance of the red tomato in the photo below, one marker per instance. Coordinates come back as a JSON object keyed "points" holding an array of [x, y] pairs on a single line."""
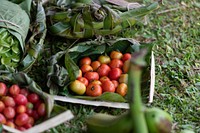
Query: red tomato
{"points": [[115, 82], [103, 70], [86, 68], [2, 106], [29, 112], [10, 124], [93, 90], [95, 65], [126, 56], [104, 78], [83, 80], [35, 115], [27, 126], [2, 119], [41, 110], [108, 86], [91, 76], [24, 92], [116, 63], [21, 99], [115, 73], [8, 101], [85, 60], [3, 89], [36, 105], [9, 112], [31, 120], [33, 98], [21, 128], [14, 90], [21, 119], [116, 55], [103, 59], [21, 109]]}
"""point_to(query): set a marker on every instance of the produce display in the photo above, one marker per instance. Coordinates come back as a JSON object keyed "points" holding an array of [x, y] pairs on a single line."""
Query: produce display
{"points": [[106, 74], [20, 108]]}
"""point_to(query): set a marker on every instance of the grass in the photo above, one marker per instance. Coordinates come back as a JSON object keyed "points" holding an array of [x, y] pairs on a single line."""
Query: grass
{"points": [[175, 29]]}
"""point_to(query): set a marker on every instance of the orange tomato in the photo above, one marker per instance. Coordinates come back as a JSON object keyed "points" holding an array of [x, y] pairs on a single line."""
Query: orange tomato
{"points": [[122, 89], [116, 55], [85, 60], [104, 78], [95, 65], [86, 68], [126, 66], [91, 76], [93, 90]]}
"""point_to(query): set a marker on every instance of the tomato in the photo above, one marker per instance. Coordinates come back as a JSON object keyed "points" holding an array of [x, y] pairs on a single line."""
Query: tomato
{"points": [[80, 74], [24, 92], [93, 90], [96, 82], [77, 87], [115, 73], [36, 105], [116, 55], [123, 78], [91, 76], [35, 115], [2, 106], [27, 126], [33, 98], [10, 124], [21, 109], [3, 89], [86, 68], [126, 56], [116, 63], [31, 120], [41, 110], [95, 65], [115, 82], [85, 60], [108, 86], [103, 70], [126, 66], [2, 119], [122, 89], [29, 111], [9, 112], [14, 90], [104, 78], [83, 80], [21, 128], [8, 101], [21, 99], [21, 119], [104, 59]]}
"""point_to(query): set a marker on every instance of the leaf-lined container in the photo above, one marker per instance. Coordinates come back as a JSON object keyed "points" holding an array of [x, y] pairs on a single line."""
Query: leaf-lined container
{"points": [[63, 68]]}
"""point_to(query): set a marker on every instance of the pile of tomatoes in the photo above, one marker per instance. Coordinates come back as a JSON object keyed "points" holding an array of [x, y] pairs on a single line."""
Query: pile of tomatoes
{"points": [[106, 74], [20, 108]]}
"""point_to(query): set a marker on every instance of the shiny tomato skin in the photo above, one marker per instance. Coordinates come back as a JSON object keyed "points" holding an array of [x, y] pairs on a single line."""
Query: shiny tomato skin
{"points": [[8, 101], [41, 110], [86, 68], [85, 60], [126, 56], [116, 63], [14, 90], [21, 99], [96, 82], [9, 112], [93, 90], [95, 65], [103, 70], [3, 89], [29, 112], [104, 78], [115, 82], [21, 119], [116, 55], [108, 86], [91, 76], [104, 59], [2, 106], [21, 109], [83, 80], [115, 73], [77, 87], [24, 92], [2, 119], [33, 98]]}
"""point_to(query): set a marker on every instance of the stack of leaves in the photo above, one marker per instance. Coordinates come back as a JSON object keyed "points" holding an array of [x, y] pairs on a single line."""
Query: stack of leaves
{"points": [[87, 19]]}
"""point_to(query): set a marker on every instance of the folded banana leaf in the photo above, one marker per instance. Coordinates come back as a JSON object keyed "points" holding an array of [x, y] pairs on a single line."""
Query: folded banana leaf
{"points": [[63, 68], [25, 81], [88, 20]]}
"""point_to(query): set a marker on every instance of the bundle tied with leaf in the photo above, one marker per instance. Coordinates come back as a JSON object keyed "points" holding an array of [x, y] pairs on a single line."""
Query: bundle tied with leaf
{"points": [[63, 68], [87, 19]]}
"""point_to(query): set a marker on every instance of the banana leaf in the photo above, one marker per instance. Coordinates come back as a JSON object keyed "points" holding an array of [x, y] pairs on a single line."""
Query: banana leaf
{"points": [[23, 80], [62, 67], [93, 19]]}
